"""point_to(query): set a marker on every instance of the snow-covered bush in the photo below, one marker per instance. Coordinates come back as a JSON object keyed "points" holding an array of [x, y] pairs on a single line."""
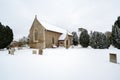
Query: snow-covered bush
{"points": [[98, 40]]}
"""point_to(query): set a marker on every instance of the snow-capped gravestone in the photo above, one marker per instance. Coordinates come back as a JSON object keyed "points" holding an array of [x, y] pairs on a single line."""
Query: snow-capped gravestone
{"points": [[113, 58]]}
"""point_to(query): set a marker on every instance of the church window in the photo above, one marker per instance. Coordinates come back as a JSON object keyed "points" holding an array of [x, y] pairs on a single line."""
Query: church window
{"points": [[36, 35]]}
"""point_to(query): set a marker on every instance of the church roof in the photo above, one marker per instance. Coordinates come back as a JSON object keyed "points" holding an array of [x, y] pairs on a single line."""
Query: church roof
{"points": [[53, 28]]}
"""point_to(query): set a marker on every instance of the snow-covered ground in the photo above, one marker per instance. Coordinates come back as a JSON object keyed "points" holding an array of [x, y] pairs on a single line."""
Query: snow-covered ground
{"points": [[60, 64]]}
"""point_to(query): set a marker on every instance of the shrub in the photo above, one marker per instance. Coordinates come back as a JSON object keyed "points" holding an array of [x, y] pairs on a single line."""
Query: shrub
{"points": [[6, 36], [98, 40], [84, 39]]}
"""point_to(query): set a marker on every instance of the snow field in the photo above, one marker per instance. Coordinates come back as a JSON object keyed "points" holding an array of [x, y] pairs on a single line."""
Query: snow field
{"points": [[60, 64]]}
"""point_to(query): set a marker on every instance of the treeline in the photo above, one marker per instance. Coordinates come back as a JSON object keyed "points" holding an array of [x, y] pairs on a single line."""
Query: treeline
{"points": [[99, 40], [96, 40]]}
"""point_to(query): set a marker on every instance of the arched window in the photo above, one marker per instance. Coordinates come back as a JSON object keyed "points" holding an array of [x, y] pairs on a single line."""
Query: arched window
{"points": [[36, 35]]}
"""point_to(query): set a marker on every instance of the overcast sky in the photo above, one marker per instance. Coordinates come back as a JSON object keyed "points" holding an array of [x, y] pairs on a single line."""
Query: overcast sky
{"points": [[97, 15]]}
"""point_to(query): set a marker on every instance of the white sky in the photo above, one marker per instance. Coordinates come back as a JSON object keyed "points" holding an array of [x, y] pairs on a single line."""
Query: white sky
{"points": [[97, 15]]}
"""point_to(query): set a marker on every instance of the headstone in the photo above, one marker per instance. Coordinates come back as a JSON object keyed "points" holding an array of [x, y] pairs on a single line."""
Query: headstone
{"points": [[40, 51], [34, 52], [113, 57], [11, 51]]}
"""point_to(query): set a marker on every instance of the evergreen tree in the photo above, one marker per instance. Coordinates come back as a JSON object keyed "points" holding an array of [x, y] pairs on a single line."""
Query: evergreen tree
{"points": [[98, 40], [75, 38], [116, 33], [109, 36], [84, 38], [6, 36]]}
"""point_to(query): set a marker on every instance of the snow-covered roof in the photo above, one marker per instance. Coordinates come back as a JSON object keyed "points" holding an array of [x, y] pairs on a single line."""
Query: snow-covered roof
{"points": [[53, 28], [62, 37], [56, 29], [50, 27]]}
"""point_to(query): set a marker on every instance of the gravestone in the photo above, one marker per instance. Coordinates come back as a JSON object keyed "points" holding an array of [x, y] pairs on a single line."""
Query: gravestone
{"points": [[34, 52], [40, 51], [113, 58], [11, 51]]}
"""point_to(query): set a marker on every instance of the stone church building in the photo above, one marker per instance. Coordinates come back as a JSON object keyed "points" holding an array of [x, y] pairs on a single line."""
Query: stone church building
{"points": [[43, 35]]}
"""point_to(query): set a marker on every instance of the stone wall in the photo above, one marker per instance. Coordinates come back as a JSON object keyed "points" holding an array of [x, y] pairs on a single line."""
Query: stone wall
{"points": [[51, 38]]}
